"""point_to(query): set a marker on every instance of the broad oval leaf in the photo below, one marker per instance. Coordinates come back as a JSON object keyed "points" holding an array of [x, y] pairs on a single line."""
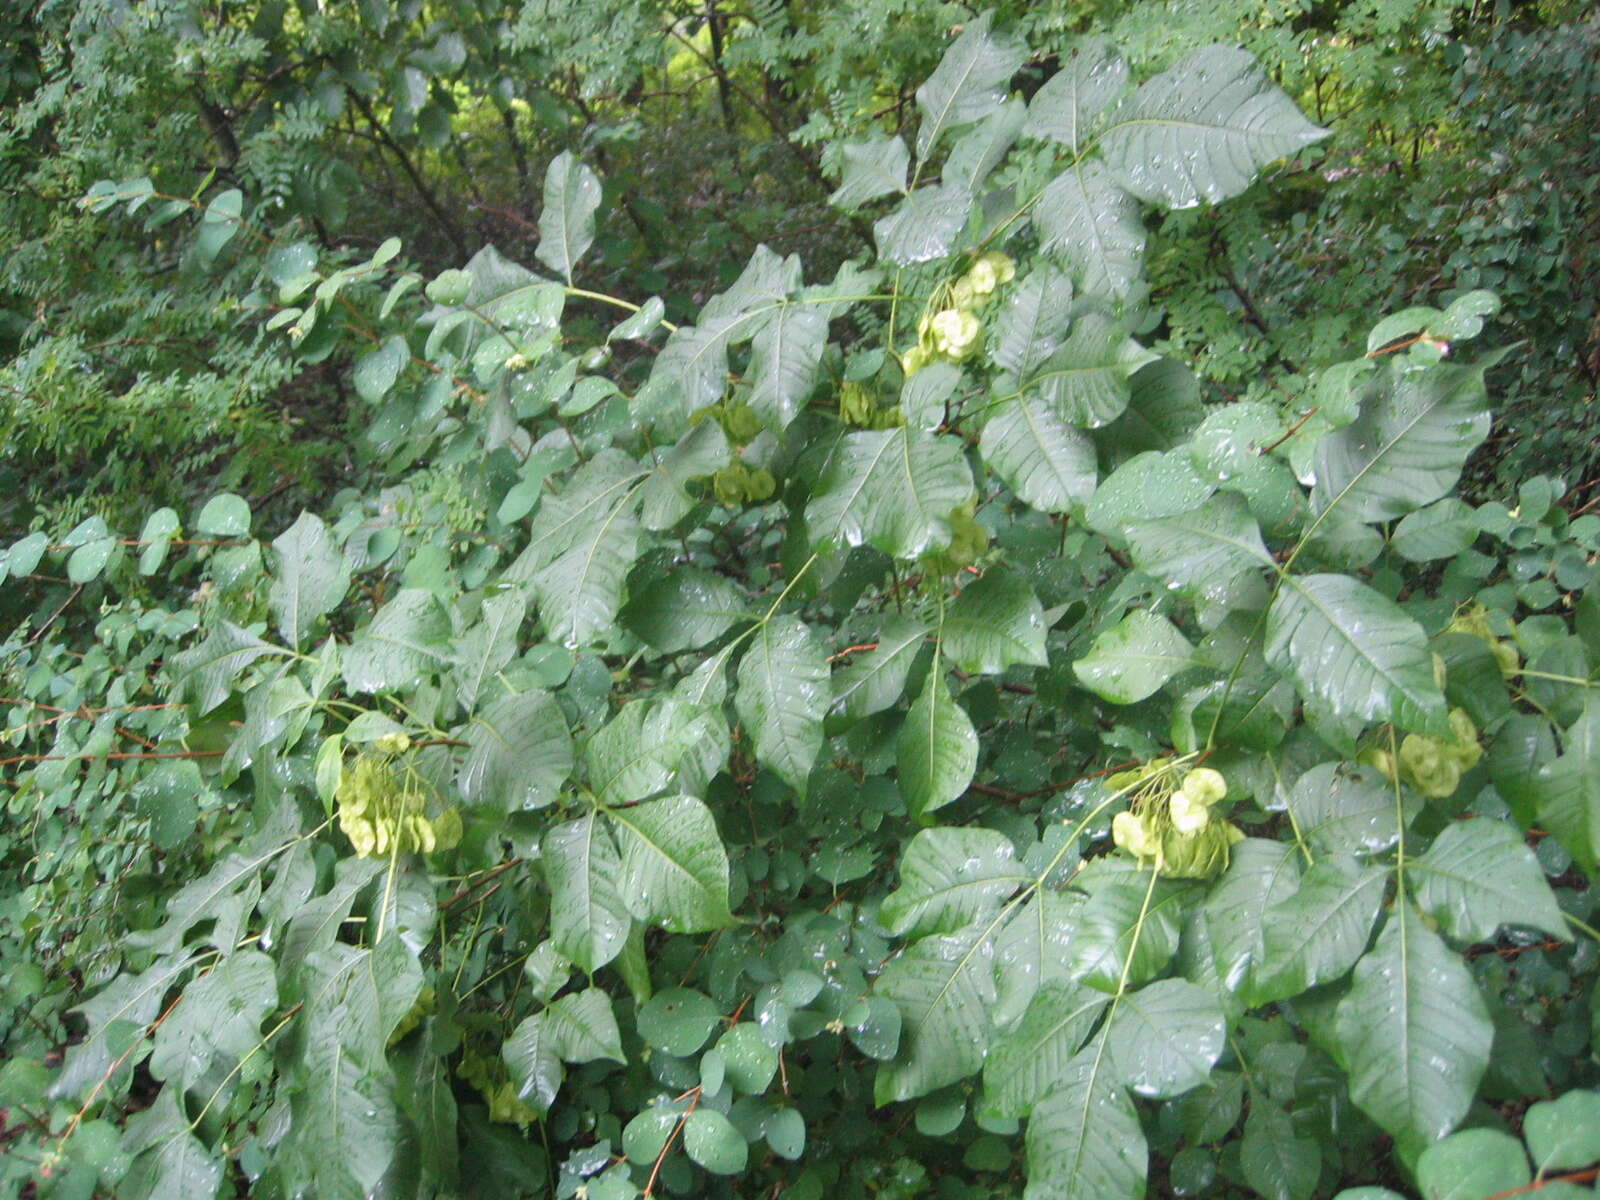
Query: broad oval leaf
{"points": [[1479, 875], [589, 923], [944, 986], [950, 878], [997, 622], [1164, 1038], [937, 750], [968, 84], [566, 226], [674, 869], [783, 695], [1130, 661], [1084, 1139], [1027, 1063], [893, 489]]}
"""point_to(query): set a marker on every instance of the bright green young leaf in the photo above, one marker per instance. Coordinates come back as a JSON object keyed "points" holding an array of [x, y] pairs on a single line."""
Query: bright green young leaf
{"points": [[1131, 660], [950, 878], [995, 623], [1480, 875], [588, 920], [1202, 130], [1413, 1033], [1355, 651], [1084, 1139], [783, 695], [937, 750], [674, 869], [566, 226], [893, 489], [224, 516]]}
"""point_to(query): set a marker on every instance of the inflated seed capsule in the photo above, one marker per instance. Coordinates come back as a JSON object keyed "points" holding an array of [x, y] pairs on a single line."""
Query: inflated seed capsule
{"points": [[1129, 832], [956, 333], [447, 830], [1205, 786], [760, 485], [1188, 815]]}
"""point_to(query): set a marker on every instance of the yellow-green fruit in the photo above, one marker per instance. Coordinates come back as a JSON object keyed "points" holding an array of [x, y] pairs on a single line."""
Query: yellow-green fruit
{"points": [[740, 423], [447, 830], [729, 483], [1130, 833], [855, 403], [1429, 766], [1201, 855], [1188, 814], [760, 485], [913, 360], [1205, 785], [956, 334], [1506, 655], [392, 743]]}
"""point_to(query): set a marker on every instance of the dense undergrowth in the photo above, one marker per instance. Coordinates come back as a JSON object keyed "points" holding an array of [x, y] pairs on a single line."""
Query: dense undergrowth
{"points": [[604, 601]]}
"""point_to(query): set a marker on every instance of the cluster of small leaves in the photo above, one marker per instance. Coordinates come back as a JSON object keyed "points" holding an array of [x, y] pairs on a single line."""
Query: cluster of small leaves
{"points": [[786, 808]]}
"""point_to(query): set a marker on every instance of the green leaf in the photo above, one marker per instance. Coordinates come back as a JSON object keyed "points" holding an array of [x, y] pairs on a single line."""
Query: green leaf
{"points": [[1413, 1033], [893, 489], [950, 878], [1089, 80], [1025, 1065], [224, 516], [218, 225], [1317, 934], [1047, 462], [937, 750], [408, 637], [1472, 1164], [88, 560], [1278, 1164], [309, 577], [1441, 530], [784, 359], [1203, 550], [1343, 809], [1084, 1140], [566, 225], [1147, 487], [536, 1070], [1202, 130], [678, 1020], [875, 680], [588, 920], [713, 1142], [750, 1058], [1091, 225], [674, 869], [1407, 446], [1130, 661], [1355, 651], [1570, 802], [207, 671], [969, 83], [580, 592], [1260, 873], [664, 500], [924, 227], [488, 646], [1031, 951], [1564, 1134], [873, 167], [159, 529], [1037, 313], [994, 624], [594, 492], [925, 396], [218, 1019], [116, 1017], [583, 1028], [1479, 875], [1086, 380], [519, 753], [944, 987], [982, 147], [1165, 1038], [377, 370], [1109, 929], [783, 694], [640, 751], [686, 609]]}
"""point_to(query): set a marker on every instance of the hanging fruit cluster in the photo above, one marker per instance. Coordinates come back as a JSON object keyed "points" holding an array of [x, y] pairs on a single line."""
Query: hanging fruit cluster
{"points": [[968, 542], [1175, 828], [859, 407], [1433, 765], [1474, 620], [950, 329], [736, 483], [383, 804]]}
